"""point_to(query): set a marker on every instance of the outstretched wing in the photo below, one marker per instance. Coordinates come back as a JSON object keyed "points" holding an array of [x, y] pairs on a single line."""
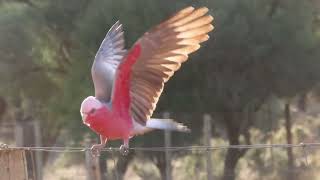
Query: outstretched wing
{"points": [[155, 57], [163, 49], [106, 61]]}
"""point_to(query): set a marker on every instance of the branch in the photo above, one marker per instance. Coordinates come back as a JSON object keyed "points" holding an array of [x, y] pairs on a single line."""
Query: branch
{"points": [[28, 2], [274, 5], [41, 69]]}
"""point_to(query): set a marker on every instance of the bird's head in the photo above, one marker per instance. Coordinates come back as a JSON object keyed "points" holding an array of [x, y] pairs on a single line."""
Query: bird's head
{"points": [[89, 105]]}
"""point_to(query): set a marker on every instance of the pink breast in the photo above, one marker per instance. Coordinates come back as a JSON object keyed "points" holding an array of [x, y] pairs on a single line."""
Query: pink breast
{"points": [[108, 124]]}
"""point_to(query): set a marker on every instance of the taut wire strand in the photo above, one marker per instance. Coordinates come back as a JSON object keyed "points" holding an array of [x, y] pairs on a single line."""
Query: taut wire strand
{"points": [[174, 148]]}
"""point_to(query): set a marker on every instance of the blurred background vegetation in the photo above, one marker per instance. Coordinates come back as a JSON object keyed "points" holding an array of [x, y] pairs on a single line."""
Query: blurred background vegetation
{"points": [[258, 77]]}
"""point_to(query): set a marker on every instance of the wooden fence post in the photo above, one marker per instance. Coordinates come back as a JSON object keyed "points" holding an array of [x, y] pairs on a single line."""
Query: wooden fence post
{"points": [[28, 133], [270, 119], [13, 165], [19, 134], [167, 143], [20, 142], [38, 154], [92, 163], [207, 137]]}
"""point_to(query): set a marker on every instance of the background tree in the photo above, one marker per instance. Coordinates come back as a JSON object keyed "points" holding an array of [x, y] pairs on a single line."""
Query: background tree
{"points": [[258, 47]]}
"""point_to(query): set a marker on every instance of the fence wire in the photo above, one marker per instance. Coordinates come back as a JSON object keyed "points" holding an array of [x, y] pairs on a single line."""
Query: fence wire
{"points": [[114, 173], [160, 149]]}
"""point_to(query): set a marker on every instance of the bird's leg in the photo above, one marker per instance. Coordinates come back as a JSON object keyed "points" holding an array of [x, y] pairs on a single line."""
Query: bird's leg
{"points": [[97, 148], [124, 149]]}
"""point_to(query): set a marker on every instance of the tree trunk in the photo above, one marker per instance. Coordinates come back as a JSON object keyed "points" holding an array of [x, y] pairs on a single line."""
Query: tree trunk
{"points": [[103, 167], [230, 162], [290, 175], [234, 131], [233, 155], [123, 163], [161, 165], [3, 106], [302, 102], [232, 158]]}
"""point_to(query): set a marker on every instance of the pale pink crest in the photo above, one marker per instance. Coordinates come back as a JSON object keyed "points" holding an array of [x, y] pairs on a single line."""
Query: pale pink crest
{"points": [[88, 104]]}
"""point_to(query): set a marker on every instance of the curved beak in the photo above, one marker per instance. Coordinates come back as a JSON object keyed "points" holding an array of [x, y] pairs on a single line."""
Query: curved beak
{"points": [[84, 117]]}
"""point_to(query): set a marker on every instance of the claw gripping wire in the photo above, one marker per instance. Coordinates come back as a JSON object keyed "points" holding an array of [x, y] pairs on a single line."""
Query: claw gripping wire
{"points": [[4, 146]]}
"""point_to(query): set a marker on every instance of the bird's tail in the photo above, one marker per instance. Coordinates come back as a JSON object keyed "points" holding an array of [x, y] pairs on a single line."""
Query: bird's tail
{"points": [[166, 124]]}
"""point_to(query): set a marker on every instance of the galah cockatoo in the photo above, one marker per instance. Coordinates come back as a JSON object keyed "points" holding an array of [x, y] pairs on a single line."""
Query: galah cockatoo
{"points": [[128, 84]]}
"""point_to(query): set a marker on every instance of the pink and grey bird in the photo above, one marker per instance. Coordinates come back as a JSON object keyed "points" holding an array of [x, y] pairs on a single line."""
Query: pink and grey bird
{"points": [[128, 83]]}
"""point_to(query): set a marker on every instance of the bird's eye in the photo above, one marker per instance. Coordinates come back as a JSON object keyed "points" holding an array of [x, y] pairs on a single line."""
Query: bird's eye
{"points": [[92, 110]]}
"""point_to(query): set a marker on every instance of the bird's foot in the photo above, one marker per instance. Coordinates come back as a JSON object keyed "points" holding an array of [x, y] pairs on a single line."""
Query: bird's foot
{"points": [[124, 150], [96, 149]]}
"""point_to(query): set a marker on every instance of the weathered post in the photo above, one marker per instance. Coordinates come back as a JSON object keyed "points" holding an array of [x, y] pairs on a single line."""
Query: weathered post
{"points": [[92, 163], [206, 139], [167, 143], [13, 165], [28, 133], [38, 154]]}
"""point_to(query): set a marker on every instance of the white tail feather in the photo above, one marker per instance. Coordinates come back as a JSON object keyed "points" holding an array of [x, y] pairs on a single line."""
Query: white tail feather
{"points": [[166, 124]]}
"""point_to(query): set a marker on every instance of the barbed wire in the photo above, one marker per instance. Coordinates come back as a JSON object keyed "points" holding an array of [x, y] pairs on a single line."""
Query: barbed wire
{"points": [[160, 149]]}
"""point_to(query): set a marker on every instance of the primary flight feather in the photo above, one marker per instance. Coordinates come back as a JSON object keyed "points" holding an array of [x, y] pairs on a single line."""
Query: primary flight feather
{"points": [[128, 84]]}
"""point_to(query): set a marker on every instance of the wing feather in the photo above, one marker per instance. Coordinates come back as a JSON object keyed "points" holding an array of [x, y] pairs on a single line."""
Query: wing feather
{"points": [[107, 59], [163, 49]]}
